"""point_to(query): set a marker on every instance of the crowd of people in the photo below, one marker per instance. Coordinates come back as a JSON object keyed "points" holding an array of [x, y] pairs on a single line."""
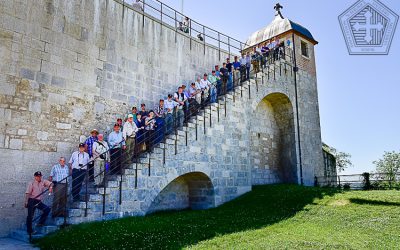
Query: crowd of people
{"points": [[140, 131]]}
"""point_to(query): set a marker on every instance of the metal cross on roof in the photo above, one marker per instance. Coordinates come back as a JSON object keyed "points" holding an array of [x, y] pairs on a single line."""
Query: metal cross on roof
{"points": [[278, 8]]}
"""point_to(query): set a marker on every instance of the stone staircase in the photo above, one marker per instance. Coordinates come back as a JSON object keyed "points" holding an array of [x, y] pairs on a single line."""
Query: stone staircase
{"points": [[182, 152]]}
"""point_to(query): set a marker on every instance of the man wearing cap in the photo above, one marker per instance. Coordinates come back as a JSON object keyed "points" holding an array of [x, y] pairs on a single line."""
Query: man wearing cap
{"points": [[78, 163], [58, 176], [129, 134], [33, 199], [89, 149]]}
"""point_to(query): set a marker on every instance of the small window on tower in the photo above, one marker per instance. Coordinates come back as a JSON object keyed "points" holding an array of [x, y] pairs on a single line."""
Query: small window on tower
{"points": [[304, 49]]}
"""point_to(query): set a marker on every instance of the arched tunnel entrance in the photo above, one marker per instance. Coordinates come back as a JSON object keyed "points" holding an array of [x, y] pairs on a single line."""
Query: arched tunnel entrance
{"points": [[273, 141], [193, 190]]}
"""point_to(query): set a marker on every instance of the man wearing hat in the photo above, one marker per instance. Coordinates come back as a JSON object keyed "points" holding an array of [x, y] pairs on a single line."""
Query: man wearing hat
{"points": [[129, 134], [89, 149], [33, 199], [78, 163]]}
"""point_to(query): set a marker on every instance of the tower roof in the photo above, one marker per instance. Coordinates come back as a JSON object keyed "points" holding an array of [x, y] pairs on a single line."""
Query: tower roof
{"points": [[278, 26]]}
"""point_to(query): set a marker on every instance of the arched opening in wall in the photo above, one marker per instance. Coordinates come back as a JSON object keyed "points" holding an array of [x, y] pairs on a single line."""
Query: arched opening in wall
{"points": [[189, 191], [273, 141]]}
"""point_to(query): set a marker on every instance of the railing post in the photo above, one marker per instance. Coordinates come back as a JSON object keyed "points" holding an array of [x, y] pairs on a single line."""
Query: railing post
{"points": [[186, 137], [104, 190], [164, 154], [218, 112], [210, 116], [120, 182], [136, 165], [190, 33], [123, 9], [204, 121], [225, 106], [219, 46], [176, 29], [86, 195], [196, 128], [149, 165], [204, 39], [144, 6], [66, 201], [161, 14], [229, 47]]}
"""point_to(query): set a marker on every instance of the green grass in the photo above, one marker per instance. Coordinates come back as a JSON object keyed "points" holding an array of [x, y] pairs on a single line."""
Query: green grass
{"points": [[269, 217]]}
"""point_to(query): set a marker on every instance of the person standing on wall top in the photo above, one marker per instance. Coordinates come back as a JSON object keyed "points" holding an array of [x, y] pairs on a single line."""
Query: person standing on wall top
{"points": [[33, 200], [129, 134], [117, 144], [137, 5], [78, 163], [101, 156], [88, 149], [58, 176]]}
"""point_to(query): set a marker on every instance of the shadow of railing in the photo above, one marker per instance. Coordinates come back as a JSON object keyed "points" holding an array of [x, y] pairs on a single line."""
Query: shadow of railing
{"points": [[264, 206]]}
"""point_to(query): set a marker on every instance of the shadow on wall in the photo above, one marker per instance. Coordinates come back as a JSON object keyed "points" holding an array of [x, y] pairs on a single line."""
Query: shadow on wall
{"points": [[193, 190], [264, 206], [276, 147]]}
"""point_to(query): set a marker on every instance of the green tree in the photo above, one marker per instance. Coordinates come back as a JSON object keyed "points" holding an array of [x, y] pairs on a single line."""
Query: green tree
{"points": [[343, 160], [389, 164]]}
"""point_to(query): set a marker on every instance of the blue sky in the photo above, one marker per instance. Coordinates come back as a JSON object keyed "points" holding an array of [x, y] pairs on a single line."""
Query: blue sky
{"points": [[359, 96]]}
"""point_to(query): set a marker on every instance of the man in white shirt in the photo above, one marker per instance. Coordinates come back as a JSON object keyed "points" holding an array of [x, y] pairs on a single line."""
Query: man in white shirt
{"points": [[180, 98], [129, 134], [58, 175], [101, 156], [205, 87], [78, 163], [169, 106]]}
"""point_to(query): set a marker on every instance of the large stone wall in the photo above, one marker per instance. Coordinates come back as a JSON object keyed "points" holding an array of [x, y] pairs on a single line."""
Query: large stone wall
{"points": [[69, 66]]}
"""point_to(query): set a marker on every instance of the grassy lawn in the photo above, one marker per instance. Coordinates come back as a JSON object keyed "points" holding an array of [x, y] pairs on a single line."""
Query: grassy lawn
{"points": [[269, 217]]}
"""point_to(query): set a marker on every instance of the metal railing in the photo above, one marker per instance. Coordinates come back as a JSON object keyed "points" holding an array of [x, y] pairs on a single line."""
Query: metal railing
{"points": [[364, 181], [277, 62], [268, 69], [197, 32]]}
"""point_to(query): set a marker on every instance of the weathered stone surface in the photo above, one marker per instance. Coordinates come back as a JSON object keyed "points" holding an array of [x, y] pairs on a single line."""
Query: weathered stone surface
{"points": [[77, 73]]}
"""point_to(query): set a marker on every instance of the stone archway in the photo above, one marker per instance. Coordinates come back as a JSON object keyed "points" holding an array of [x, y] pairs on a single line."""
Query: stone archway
{"points": [[192, 190], [273, 141]]}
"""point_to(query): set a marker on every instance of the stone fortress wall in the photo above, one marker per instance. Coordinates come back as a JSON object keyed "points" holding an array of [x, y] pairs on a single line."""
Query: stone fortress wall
{"points": [[69, 66]]}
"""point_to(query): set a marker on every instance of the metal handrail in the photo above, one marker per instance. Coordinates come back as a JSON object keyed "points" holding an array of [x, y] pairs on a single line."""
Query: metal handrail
{"points": [[203, 29], [269, 62]]}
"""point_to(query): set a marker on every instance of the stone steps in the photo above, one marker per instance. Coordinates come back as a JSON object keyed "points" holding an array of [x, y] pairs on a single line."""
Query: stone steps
{"points": [[173, 146]]}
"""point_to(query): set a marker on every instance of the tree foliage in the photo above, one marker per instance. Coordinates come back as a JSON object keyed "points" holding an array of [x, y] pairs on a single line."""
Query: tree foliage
{"points": [[389, 164], [343, 160]]}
